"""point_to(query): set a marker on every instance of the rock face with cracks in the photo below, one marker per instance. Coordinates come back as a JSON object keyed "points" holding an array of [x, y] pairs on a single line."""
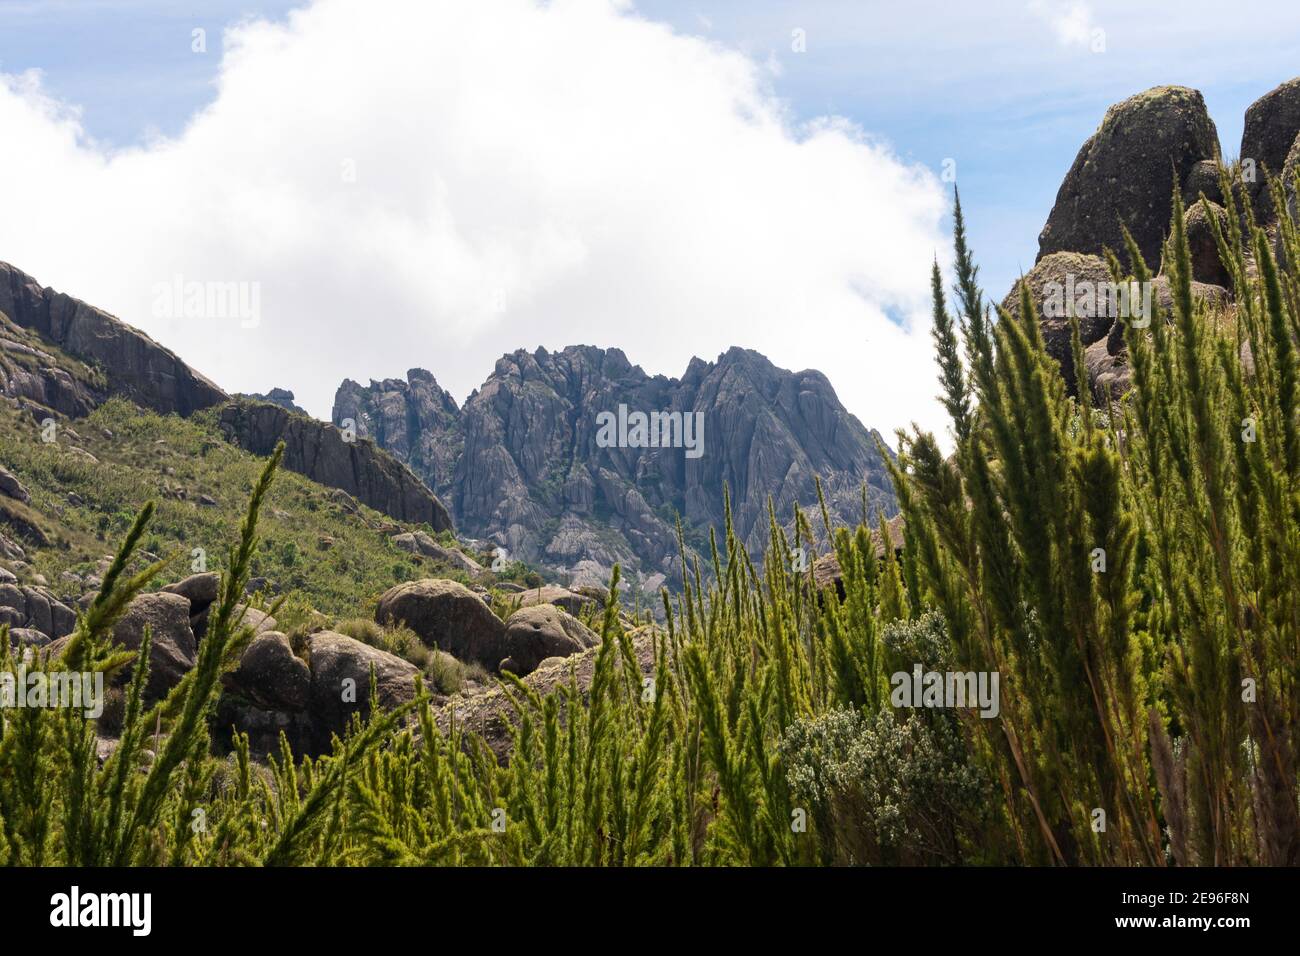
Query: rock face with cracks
{"points": [[136, 366], [522, 463], [325, 455]]}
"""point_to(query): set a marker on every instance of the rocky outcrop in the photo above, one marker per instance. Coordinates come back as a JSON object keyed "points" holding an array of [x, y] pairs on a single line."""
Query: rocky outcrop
{"points": [[276, 396], [274, 691], [1271, 127], [41, 381], [1290, 169], [1109, 374], [1102, 331], [172, 647], [34, 609], [448, 616], [136, 366], [323, 454], [1207, 267], [417, 542], [415, 420], [534, 634], [11, 550], [11, 487], [826, 569], [1127, 171], [266, 695], [199, 589], [520, 464], [270, 675], [571, 601], [1203, 180]]}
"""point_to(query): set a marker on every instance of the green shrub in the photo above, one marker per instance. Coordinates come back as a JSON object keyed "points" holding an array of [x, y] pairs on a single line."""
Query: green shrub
{"points": [[884, 789]]}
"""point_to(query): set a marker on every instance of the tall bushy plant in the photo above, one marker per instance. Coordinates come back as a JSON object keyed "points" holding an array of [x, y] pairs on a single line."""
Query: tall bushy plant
{"points": [[1131, 575]]}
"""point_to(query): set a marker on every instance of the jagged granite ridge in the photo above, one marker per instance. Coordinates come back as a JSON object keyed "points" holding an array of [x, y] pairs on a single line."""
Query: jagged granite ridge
{"points": [[519, 463]]}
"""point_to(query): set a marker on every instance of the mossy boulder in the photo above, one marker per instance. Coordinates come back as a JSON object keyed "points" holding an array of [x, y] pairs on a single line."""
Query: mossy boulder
{"points": [[1126, 174]]}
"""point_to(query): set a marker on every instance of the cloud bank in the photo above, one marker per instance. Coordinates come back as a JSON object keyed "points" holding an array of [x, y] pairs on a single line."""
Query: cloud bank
{"points": [[434, 184], [1071, 20]]}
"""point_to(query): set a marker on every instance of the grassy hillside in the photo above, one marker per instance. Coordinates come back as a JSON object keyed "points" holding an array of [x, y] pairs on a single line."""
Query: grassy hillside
{"points": [[87, 486]]}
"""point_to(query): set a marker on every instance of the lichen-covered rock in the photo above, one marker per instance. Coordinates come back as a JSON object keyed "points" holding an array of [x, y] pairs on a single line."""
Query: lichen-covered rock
{"points": [[1203, 177], [1272, 124], [1127, 172]]}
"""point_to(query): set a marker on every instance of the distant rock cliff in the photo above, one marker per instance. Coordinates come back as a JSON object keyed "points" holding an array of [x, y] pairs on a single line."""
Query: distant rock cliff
{"points": [[135, 366], [525, 464], [323, 454], [276, 396]]}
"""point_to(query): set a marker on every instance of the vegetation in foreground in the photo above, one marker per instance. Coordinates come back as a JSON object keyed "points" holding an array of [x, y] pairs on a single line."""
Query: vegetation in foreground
{"points": [[1149, 711]]}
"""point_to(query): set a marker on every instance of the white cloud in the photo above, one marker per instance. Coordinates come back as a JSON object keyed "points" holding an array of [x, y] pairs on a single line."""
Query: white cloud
{"points": [[526, 175], [1071, 20]]}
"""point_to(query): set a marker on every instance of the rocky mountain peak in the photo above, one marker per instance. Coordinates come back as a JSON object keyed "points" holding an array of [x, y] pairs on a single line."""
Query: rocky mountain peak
{"points": [[578, 459]]}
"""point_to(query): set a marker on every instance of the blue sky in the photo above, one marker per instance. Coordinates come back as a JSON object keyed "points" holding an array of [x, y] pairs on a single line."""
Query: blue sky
{"points": [[1009, 90]]}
